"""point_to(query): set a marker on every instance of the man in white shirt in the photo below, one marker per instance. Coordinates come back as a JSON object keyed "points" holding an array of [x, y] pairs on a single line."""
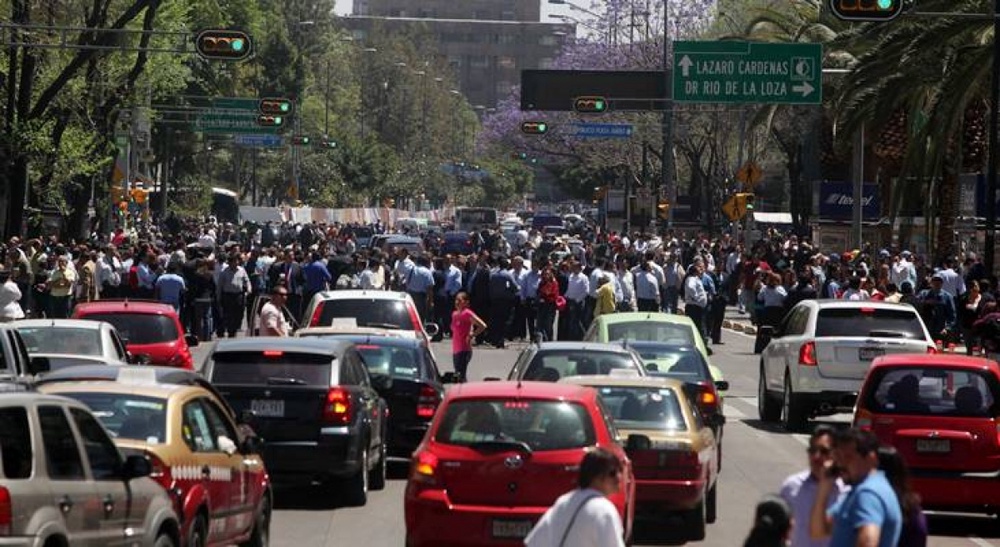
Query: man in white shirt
{"points": [[951, 281], [577, 289]]}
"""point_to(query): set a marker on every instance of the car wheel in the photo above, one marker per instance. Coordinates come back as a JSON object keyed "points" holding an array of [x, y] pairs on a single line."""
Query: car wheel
{"points": [[164, 540], [357, 486], [767, 407], [198, 534], [711, 504], [377, 479], [793, 418], [695, 520], [261, 534]]}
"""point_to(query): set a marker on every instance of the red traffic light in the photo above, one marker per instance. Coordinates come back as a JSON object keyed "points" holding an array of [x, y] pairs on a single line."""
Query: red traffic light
{"points": [[265, 120], [225, 45], [279, 107], [866, 10], [534, 128], [590, 105]]}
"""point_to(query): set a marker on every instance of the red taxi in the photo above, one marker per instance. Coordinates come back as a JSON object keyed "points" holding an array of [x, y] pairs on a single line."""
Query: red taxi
{"points": [[152, 331], [498, 455], [940, 412]]}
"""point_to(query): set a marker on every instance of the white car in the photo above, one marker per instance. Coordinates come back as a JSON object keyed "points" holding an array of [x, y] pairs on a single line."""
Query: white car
{"points": [[819, 354], [69, 342], [374, 309]]}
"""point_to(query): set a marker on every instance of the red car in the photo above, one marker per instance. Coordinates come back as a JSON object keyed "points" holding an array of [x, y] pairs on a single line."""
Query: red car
{"points": [[940, 412], [498, 455], [152, 331]]}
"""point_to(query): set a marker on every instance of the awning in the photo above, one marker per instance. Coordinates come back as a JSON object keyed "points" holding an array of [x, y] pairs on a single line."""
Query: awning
{"points": [[772, 218]]}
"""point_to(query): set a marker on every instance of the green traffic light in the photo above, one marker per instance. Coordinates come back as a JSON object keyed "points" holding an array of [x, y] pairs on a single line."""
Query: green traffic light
{"points": [[885, 4], [285, 107], [599, 106], [237, 44], [542, 128], [277, 120]]}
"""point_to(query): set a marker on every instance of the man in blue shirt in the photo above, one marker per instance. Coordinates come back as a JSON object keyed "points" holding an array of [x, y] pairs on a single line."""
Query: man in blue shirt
{"points": [[420, 286], [869, 515], [317, 277], [170, 287]]}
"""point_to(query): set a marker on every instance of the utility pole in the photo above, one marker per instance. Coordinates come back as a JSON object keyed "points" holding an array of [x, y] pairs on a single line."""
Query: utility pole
{"points": [[667, 158], [858, 178]]}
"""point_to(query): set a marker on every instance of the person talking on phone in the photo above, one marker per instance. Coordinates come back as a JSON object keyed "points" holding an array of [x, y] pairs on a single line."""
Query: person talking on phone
{"points": [[800, 490], [584, 517], [869, 515]]}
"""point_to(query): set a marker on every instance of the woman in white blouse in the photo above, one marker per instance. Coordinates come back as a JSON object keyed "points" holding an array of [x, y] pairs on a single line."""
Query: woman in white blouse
{"points": [[10, 296]]}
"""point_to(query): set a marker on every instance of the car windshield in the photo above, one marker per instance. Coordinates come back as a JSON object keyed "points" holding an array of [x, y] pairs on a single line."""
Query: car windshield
{"points": [[675, 362], [62, 340], [368, 312], [933, 391], [540, 425], [260, 368], [869, 322], [128, 416], [652, 331], [643, 407], [551, 365], [140, 328], [398, 362]]}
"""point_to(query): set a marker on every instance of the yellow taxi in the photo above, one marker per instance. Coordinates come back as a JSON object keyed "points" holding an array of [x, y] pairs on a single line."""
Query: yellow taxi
{"points": [[208, 463], [673, 450]]}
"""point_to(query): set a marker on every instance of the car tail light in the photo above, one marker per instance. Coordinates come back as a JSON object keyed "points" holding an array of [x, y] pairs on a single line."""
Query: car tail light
{"points": [[706, 398], [337, 409], [807, 354], [427, 402], [425, 467], [6, 512], [863, 419], [317, 313], [415, 319], [182, 359]]}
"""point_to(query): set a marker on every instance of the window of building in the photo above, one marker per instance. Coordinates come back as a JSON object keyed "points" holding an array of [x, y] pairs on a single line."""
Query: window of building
{"points": [[479, 61], [547, 40], [507, 39], [508, 15], [506, 62], [545, 62]]}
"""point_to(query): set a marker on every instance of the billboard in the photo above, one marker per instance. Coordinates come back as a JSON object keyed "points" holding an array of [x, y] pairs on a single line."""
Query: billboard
{"points": [[836, 201]]}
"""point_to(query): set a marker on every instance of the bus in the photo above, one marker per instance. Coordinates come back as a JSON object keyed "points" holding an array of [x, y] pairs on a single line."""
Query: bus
{"points": [[474, 219]]}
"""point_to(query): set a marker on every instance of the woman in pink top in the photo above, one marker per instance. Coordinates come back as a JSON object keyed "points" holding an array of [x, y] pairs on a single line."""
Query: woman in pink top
{"points": [[465, 326]]}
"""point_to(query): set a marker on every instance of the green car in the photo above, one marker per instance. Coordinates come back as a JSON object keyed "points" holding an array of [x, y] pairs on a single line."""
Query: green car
{"points": [[665, 328]]}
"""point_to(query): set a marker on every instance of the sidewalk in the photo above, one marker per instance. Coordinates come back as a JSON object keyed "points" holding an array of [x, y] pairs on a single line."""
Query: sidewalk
{"points": [[739, 322]]}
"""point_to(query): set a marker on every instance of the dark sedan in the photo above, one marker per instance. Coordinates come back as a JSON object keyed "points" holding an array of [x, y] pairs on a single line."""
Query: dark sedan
{"points": [[457, 243]]}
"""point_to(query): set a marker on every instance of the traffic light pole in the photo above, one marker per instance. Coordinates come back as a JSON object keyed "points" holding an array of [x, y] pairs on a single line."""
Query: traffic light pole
{"points": [[991, 182], [667, 158]]}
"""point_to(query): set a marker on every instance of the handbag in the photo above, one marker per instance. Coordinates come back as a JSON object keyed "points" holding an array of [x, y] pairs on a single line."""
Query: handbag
{"points": [[561, 303]]}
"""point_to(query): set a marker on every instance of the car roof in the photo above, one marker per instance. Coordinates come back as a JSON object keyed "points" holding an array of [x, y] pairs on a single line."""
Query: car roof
{"points": [[514, 389], [623, 381], [673, 346], [129, 373], [585, 346], [633, 316], [347, 330], [84, 324], [163, 391], [934, 360], [394, 341], [830, 303], [319, 346], [18, 398], [363, 294], [126, 306]]}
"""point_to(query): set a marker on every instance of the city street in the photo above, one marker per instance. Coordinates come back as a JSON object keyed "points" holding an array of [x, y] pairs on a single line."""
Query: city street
{"points": [[756, 458]]}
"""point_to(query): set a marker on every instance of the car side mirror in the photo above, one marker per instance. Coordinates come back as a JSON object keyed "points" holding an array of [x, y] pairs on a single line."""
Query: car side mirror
{"points": [[722, 385], [432, 329], [38, 365], [449, 378], [136, 466], [775, 332], [142, 359], [191, 340], [248, 418], [381, 382], [251, 444], [652, 367], [637, 442], [227, 445], [716, 420]]}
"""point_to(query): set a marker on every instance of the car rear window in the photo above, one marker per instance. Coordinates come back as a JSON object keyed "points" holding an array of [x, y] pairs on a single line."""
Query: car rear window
{"points": [[368, 312], [643, 408], [541, 425], [271, 368], [140, 328], [937, 391], [685, 364], [15, 443], [550, 366], [128, 416], [62, 340], [651, 331], [869, 322], [398, 362]]}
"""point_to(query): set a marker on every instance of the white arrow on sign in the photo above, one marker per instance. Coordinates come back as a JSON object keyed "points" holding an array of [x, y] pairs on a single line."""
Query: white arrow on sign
{"points": [[805, 89], [685, 64]]}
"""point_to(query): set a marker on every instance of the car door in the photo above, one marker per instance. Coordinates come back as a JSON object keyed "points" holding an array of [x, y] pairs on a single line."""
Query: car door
{"points": [[72, 493], [119, 346], [211, 465], [104, 462], [782, 352], [239, 517]]}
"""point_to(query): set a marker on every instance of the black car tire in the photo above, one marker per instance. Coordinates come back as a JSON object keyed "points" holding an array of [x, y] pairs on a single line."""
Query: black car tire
{"points": [[164, 540], [261, 534], [793, 415], [376, 481], [694, 522], [198, 534], [712, 504], [768, 409], [357, 485]]}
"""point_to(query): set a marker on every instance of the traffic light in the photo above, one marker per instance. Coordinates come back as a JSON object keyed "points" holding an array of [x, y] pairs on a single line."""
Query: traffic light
{"points": [[590, 105], [866, 10], [266, 120], [744, 203], [300, 140], [223, 45], [278, 107], [663, 210], [327, 143], [534, 128]]}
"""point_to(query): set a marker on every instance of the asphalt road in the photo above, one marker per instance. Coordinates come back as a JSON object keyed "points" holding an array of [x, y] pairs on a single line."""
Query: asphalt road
{"points": [[756, 458]]}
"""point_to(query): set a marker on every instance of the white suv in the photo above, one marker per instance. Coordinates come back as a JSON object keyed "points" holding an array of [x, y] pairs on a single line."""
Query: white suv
{"points": [[819, 355]]}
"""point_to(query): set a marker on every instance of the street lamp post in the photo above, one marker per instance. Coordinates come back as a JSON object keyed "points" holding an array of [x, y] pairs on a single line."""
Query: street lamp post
{"points": [[667, 158]]}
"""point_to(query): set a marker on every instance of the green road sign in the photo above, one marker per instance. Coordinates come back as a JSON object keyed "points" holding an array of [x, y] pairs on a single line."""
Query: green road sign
{"points": [[747, 72], [232, 115]]}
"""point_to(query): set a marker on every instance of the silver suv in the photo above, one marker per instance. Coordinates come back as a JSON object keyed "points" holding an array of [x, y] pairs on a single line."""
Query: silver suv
{"points": [[63, 482]]}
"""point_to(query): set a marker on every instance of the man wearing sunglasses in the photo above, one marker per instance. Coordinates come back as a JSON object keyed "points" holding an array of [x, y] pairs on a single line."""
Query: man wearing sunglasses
{"points": [[800, 489]]}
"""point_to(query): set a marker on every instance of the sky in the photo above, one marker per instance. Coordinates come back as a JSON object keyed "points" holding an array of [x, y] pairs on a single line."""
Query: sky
{"points": [[344, 8]]}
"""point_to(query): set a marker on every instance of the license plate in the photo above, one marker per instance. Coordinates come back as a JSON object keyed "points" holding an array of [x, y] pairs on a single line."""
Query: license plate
{"points": [[267, 408], [934, 446], [509, 528], [867, 354]]}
